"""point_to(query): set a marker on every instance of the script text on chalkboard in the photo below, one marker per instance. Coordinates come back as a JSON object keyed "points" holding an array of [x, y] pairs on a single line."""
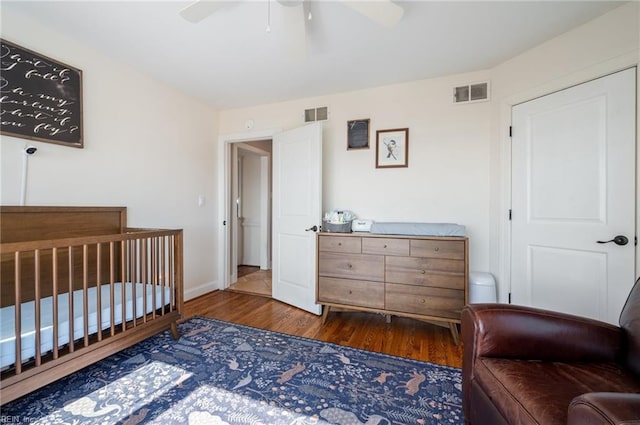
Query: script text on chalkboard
{"points": [[40, 98]]}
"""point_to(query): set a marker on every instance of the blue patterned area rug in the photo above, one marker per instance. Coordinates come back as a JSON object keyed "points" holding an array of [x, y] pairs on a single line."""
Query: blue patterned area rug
{"points": [[224, 373]]}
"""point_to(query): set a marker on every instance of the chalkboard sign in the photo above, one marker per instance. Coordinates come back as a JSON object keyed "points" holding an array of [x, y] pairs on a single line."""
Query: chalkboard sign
{"points": [[40, 98], [358, 134]]}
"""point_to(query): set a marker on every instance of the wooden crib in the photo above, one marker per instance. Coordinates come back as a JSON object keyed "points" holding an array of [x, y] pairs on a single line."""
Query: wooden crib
{"points": [[78, 286]]}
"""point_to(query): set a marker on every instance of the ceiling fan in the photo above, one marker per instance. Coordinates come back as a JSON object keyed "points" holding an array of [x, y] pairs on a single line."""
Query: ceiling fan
{"points": [[382, 12]]}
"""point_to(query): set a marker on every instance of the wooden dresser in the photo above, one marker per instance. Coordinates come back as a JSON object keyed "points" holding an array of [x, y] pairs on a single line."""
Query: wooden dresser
{"points": [[422, 277]]}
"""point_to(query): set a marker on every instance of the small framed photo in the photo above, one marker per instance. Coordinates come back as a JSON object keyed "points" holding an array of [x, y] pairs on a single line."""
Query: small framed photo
{"points": [[392, 148], [358, 134]]}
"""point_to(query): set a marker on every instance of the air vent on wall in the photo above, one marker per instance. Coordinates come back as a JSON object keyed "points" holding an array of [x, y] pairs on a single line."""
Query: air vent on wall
{"points": [[476, 92], [316, 114]]}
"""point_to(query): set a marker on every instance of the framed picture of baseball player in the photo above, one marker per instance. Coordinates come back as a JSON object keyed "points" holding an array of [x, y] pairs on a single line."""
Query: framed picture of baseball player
{"points": [[392, 148]]}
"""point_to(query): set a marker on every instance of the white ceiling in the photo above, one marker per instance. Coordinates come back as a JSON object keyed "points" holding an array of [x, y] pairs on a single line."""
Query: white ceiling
{"points": [[229, 60]]}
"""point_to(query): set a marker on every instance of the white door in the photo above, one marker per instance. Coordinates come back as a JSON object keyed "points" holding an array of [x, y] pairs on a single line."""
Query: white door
{"points": [[297, 206], [573, 184]]}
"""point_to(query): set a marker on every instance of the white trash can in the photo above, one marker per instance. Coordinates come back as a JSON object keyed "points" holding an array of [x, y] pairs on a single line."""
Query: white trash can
{"points": [[482, 288]]}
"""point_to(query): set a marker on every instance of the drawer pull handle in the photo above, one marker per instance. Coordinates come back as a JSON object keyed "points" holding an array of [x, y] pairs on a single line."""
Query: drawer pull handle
{"points": [[385, 246], [437, 249], [339, 243], [422, 300], [349, 266], [423, 271], [350, 292]]}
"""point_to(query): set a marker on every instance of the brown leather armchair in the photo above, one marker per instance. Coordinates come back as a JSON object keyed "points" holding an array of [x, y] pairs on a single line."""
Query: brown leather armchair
{"points": [[524, 365]]}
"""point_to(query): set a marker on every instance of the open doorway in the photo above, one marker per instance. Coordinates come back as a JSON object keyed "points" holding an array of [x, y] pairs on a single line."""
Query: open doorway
{"points": [[251, 217], [296, 171]]}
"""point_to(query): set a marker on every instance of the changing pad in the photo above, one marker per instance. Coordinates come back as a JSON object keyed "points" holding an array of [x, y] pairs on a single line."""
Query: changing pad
{"points": [[418, 229]]}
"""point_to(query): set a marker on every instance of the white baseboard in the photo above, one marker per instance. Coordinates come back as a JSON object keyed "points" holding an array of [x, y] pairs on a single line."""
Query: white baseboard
{"points": [[191, 293]]}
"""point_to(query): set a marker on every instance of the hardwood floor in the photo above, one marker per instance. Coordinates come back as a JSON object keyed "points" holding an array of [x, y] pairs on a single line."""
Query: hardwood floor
{"points": [[245, 270], [402, 337], [252, 280]]}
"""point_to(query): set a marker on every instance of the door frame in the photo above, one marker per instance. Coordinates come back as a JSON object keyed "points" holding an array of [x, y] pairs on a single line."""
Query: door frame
{"points": [[225, 143], [503, 224]]}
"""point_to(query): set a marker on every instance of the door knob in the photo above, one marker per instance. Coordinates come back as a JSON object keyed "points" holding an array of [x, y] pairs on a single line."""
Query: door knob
{"points": [[312, 228], [618, 240]]}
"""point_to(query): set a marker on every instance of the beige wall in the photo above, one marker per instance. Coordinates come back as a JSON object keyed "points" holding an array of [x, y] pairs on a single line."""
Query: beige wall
{"points": [[448, 176], [147, 147]]}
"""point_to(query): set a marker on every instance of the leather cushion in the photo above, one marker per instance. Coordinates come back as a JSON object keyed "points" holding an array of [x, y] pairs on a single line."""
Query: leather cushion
{"points": [[605, 408], [535, 392]]}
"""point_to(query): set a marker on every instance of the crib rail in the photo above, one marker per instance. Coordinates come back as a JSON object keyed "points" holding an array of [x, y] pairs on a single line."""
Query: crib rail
{"points": [[142, 268]]}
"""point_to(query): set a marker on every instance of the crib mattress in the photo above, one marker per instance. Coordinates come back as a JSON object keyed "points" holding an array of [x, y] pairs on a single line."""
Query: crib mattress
{"points": [[28, 338]]}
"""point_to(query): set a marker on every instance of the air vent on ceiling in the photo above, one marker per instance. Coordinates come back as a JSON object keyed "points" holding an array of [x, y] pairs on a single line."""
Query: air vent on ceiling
{"points": [[476, 92], [316, 114]]}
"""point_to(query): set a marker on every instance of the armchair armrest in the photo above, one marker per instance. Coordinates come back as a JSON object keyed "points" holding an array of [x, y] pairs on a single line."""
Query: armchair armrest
{"points": [[605, 408], [509, 331]]}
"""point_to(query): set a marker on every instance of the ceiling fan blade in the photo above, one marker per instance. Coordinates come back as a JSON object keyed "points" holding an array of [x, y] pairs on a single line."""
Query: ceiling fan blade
{"points": [[294, 28], [383, 12], [200, 9]]}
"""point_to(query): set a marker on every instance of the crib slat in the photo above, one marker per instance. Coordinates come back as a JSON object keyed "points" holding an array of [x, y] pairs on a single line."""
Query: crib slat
{"points": [[111, 289], [18, 312], [171, 276], [99, 290], [85, 292], [71, 315], [134, 300], [154, 276], [130, 281], [143, 267], [163, 272], [38, 319], [123, 281], [157, 283], [54, 259]]}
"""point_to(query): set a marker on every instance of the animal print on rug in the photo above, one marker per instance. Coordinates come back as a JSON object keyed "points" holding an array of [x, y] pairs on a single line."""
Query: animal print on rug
{"points": [[224, 373]]}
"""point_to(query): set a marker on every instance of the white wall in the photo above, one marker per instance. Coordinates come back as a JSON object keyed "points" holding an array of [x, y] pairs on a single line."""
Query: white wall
{"points": [[605, 45], [159, 161], [147, 147], [459, 157], [448, 175]]}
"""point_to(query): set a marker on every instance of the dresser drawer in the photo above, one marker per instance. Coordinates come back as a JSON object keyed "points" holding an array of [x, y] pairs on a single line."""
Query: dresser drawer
{"points": [[340, 244], [385, 246], [436, 302], [434, 248], [351, 266], [426, 272], [360, 293]]}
